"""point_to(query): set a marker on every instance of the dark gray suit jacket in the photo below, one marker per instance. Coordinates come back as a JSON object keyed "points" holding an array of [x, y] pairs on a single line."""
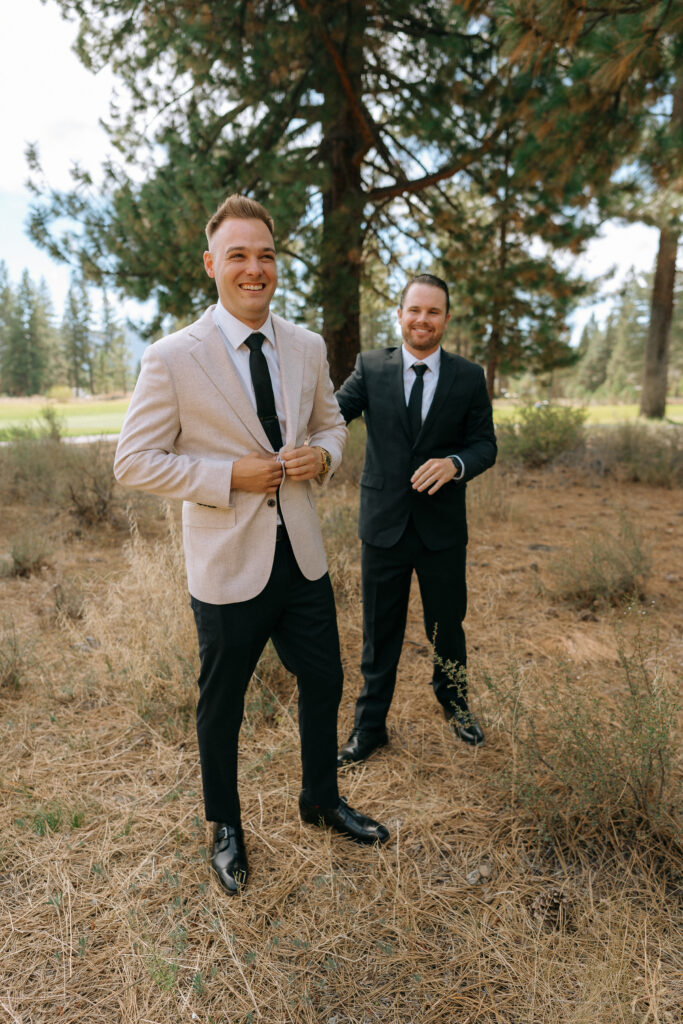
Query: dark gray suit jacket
{"points": [[459, 422]]}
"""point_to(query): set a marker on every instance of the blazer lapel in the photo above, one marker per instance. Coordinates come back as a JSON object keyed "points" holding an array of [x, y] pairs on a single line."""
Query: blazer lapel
{"points": [[397, 389], [211, 354], [290, 354], [443, 386]]}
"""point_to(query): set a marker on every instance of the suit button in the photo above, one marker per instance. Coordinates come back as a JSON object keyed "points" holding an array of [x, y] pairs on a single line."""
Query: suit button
{"points": [[271, 502]]}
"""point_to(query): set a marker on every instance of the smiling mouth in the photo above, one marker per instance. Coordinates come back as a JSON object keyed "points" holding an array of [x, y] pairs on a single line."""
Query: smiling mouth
{"points": [[252, 287]]}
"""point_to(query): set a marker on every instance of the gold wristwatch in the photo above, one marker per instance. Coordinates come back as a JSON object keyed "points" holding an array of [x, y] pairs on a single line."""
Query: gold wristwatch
{"points": [[326, 461]]}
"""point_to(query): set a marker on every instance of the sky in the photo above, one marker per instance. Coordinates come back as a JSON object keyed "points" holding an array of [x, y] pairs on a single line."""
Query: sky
{"points": [[50, 99]]}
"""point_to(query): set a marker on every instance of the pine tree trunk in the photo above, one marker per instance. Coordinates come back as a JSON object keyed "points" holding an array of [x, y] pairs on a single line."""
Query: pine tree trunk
{"points": [[655, 374], [340, 263], [344, 144]]}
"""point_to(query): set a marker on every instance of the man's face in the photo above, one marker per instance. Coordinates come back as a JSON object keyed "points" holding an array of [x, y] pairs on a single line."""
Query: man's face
{"points": [[241, 258], [423, 318]]}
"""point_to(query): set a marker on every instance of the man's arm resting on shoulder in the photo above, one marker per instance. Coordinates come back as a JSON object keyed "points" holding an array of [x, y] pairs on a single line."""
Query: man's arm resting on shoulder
{"points": [[145, 457], [352, 396]]}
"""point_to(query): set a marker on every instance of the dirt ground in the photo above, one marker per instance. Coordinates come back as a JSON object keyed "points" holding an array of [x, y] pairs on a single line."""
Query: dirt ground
{"points": [[469, 914]]}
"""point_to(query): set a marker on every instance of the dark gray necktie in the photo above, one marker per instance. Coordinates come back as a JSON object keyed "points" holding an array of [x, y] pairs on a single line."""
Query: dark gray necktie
{"points": [[415, 399], [263, 389]]}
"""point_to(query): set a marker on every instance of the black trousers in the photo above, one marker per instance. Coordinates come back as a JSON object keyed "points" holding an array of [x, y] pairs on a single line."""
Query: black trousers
{"points": [[299, 616], [386, 576]]}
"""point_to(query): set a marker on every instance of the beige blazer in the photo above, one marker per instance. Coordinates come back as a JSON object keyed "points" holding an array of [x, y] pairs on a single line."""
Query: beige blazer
{"points": [[190, 418]]}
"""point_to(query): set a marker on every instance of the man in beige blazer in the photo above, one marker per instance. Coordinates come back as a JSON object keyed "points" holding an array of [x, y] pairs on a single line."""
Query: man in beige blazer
{"points": [[236, 416]]}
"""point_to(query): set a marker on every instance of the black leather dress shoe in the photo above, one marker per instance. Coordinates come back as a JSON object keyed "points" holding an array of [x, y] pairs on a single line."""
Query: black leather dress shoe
{"points": [[229, 857], [360, 744], [465, 726], [345, 820]]}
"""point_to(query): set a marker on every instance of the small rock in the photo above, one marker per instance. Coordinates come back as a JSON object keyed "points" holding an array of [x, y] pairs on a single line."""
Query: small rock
{"points": [[474, 877], [486, 869]]}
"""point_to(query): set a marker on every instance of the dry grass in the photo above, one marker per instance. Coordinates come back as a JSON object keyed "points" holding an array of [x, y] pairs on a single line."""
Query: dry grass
{"points": [[469, 914]]}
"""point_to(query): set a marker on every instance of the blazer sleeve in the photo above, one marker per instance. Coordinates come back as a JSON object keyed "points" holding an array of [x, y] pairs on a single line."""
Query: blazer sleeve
{"points": [[326, 424], [352, 396], [145, 455], [480, 449]]}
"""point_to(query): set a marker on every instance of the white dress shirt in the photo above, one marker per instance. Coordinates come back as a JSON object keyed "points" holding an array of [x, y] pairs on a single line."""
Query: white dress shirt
{"points": [[429, 382], [234, 334]]}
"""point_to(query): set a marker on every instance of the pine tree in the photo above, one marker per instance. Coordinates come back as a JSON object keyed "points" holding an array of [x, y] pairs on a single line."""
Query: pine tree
{"points": [[6, 319], [112, 354], [326, 111], [76, 331], [26, 346], [631, 57], [594, 351]]}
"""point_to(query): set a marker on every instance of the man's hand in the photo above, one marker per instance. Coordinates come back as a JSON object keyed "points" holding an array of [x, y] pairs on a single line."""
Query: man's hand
{"points": [[261, 474], [303, 463], [433, 474]]}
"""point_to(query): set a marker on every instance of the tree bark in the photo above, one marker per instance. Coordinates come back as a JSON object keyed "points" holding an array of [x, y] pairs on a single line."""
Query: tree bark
{"points": [[656, 365], [655, 373], [346, 140]]}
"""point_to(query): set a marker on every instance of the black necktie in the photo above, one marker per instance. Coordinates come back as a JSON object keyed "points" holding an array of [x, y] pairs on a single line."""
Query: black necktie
{"points": [[263, 390], [415, 400]]}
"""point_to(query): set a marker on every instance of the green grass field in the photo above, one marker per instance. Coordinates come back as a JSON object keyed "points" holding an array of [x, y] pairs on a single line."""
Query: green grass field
{"points": [[84, 416]]}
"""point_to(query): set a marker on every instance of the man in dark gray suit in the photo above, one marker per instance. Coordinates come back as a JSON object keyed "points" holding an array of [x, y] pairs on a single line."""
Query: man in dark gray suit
{"points": [[429, 430]]}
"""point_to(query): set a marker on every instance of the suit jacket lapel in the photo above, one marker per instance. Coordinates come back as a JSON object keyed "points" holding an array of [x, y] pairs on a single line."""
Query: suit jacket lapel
{"points": [[443, 386], [290, 354], [397, 389], [211, 354]]}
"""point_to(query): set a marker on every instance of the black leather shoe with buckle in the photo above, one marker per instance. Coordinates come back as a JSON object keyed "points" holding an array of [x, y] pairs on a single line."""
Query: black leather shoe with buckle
{"points": [[360, 744], [229, 856], [464, 725], [345, 820]]}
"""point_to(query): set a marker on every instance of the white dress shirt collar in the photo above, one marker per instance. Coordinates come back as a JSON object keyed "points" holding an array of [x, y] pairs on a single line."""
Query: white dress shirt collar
{"points": [[236, 331], [433, 361]]}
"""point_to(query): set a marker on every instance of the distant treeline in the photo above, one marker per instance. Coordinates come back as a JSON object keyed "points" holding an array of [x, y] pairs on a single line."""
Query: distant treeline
{"points": [[611, 357], [84, 352]]}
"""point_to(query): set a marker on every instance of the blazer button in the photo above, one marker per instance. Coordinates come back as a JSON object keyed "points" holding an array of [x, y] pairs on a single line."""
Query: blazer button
{"points": [[271, 502]]}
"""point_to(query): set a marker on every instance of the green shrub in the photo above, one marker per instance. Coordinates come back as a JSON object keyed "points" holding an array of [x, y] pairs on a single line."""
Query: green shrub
{"points": [[77, 479], [89, 485], [60, 393], [30, 552], [541, 434], [601, 567], [584, 767], [639, 452]]}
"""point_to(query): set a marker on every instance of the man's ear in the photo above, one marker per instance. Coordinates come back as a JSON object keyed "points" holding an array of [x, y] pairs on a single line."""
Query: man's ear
{"points": [[208, 264]]}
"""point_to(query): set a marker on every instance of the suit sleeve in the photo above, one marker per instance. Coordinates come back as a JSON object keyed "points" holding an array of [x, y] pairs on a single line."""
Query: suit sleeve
{"points": [[145, 455], [480, 450], [352, 395], [326, 424]]}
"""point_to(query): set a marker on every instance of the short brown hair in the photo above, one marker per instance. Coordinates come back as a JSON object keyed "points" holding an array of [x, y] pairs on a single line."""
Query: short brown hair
{"points": [[241, 208], [433, 281]]}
